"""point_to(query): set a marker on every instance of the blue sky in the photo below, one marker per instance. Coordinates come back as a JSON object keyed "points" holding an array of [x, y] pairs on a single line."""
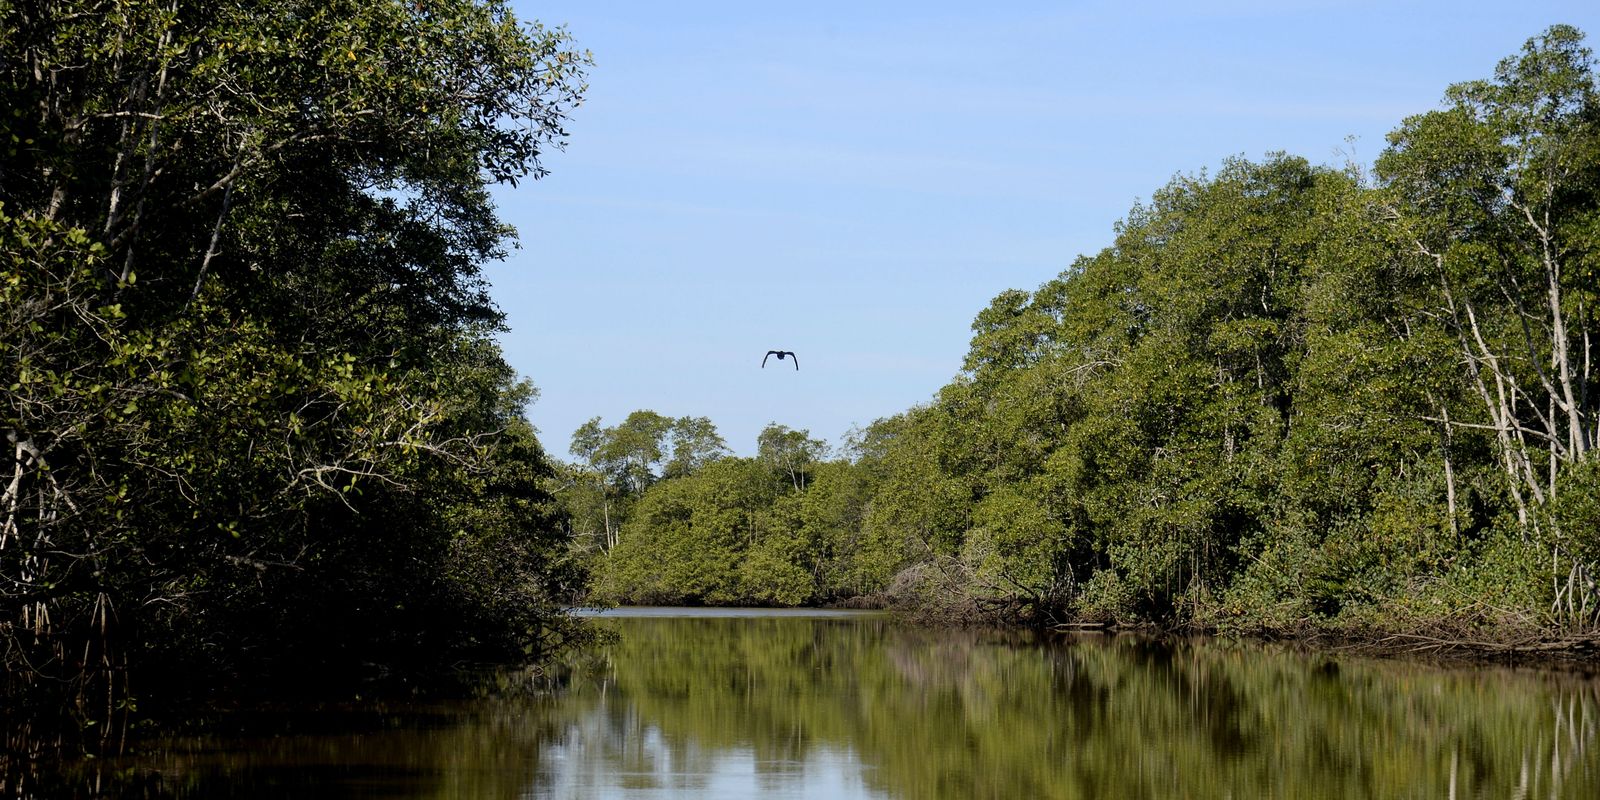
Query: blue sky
{"points": [[855, 181]]}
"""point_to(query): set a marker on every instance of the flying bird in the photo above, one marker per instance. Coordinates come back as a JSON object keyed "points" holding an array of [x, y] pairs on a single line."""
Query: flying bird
{"points": [[781, 354]]}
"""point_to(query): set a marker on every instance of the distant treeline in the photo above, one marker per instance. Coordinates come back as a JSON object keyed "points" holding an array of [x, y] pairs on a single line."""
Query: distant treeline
{"points": [[1286, 396], [253, 417]]}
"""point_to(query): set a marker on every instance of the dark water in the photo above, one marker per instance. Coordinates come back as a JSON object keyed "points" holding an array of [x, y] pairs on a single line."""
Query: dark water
{"points": [[849, 706]]}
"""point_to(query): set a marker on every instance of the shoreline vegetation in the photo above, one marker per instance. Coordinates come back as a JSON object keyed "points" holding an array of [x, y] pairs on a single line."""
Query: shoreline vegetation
{"points": [[1533, 647], [255, 423], [1338, 405]]}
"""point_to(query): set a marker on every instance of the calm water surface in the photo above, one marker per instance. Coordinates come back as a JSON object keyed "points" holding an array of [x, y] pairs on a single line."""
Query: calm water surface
{"points": [[719, 704]]}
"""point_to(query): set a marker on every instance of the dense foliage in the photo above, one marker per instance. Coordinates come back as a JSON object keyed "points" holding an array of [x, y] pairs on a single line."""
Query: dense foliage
{"points": [[253, 416], [1285, 396]]}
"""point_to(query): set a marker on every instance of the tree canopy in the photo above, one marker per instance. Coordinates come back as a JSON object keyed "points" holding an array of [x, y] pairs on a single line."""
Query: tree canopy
{"points": [[253, 415], [1286, 397]]}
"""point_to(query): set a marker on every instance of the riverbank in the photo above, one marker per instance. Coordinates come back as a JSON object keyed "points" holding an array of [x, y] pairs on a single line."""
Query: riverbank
{"points": [[1429, 641], [1512, 648], [1446, 640]]}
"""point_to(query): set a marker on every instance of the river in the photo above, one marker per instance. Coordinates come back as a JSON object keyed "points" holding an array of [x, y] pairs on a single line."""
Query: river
{"points": [[686, 703]]}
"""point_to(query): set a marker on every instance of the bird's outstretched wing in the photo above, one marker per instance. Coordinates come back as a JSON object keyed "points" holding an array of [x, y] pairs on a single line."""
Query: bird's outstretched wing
{"points": [[765, 357], [796, 361]]}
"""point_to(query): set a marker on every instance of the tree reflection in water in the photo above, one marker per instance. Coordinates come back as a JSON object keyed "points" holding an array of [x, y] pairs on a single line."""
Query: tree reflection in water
{"points": [[860, 707], [938, 713]]}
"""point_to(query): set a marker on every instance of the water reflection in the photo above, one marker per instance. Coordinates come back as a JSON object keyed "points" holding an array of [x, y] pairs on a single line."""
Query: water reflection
{"points": [[858, 707]]}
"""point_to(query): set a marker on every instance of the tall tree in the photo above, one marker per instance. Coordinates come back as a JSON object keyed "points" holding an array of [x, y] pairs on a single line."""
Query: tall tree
{"points": [[624, 460], [243, 323], [1496, 197], [790, 452], [695, 443]]}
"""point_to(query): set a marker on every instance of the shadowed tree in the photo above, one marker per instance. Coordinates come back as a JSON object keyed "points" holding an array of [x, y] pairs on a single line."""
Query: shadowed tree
{"points": [[247, 377]]}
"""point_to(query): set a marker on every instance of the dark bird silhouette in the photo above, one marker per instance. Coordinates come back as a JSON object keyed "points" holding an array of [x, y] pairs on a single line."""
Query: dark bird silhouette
{"points": [[781, 354]]}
